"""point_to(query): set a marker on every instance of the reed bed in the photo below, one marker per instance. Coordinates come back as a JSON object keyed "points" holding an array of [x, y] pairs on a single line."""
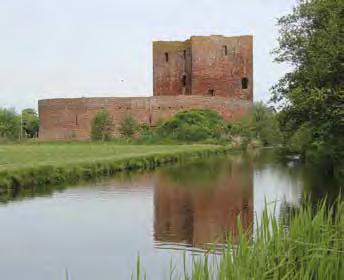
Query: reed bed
{"points": [[25, 166], [305, 244]]}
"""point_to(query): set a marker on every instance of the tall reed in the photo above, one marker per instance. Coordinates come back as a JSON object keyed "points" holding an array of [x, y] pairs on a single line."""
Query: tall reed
{"points": [[307, 244]]}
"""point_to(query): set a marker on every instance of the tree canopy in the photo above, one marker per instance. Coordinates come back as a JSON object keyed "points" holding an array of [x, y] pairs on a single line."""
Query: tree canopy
{"points": [[312, 95]]}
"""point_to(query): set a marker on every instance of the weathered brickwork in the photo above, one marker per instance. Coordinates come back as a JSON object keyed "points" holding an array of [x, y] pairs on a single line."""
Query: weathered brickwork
{"points": [[212, 72], [71, 118], [204, 65]]}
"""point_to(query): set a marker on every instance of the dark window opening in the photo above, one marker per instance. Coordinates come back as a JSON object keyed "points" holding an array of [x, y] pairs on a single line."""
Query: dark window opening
{"points": [[244, 83], [225, 48], [166, 56], [184, 54], [211, 92], [76, 120], [184, 80]]}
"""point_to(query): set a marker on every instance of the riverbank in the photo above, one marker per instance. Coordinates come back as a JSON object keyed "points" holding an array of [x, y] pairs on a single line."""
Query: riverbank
{"points": [[302, 243], [24, 166]]}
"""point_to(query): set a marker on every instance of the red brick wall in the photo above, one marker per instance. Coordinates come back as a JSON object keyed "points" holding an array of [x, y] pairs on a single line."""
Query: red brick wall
{"points": [[71, 118], [220, 70], [215, 63], [168, 75]]}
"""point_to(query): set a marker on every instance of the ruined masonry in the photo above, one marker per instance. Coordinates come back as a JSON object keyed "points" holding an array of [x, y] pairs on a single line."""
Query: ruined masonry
{"points": [[213, 72]]}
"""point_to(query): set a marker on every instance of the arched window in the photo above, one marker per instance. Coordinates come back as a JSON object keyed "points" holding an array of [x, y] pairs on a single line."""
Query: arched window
{"points": [[166, 56]]}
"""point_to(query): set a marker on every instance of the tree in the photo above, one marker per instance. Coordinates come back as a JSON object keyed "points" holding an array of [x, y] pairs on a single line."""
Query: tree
{"points": [[102, 126], [30, 122], [266, 124], [128, 126], [312, 94], [9, 124]]}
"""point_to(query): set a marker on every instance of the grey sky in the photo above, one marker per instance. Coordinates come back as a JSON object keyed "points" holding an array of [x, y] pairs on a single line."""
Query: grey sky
{"points": [[73, 48]]}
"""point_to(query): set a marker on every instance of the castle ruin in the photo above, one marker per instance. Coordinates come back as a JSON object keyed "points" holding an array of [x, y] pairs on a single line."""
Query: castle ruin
{"points": [[203, 72]]}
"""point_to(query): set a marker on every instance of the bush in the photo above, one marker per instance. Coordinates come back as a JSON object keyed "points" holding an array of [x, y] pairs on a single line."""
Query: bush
{"points": [[129, 126], [193, 125], [102, 126]]}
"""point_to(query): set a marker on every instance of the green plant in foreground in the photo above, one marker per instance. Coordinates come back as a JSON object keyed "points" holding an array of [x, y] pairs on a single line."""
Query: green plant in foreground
{"points": [[309, 244]]}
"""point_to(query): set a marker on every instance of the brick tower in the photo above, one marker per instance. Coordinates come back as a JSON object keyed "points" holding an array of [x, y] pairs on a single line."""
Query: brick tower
{"points": [[204, 65]]}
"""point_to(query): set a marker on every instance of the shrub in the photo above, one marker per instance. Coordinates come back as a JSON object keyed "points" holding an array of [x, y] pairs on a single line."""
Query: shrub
{"points": [[193, 125], [102, 126], [128, 126]]}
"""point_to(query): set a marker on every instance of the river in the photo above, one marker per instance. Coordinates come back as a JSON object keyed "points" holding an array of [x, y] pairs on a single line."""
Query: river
{"points": [[97, 230]]}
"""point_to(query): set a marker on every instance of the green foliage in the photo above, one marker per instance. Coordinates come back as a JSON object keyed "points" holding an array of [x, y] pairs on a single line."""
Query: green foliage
{"points": [[301, 139], [129, 126], [9, 124], [262, 126], [193, 125], [312, 94], [30, 122], [308, 244], [102, 126]]}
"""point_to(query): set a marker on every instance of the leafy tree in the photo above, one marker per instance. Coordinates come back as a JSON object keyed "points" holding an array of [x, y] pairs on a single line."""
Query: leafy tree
{"points": [[9, 124], [263, 125], [128, 126], [102, 126], [312, 94], [30, 122], [266, 124]]}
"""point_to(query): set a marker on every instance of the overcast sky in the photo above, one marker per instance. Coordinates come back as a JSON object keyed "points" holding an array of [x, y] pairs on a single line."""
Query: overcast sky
{"points": [[74, 48]]}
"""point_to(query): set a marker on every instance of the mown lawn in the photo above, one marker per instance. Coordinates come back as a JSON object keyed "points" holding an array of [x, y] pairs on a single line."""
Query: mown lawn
{"points": [[13, 156], [30, 164]]}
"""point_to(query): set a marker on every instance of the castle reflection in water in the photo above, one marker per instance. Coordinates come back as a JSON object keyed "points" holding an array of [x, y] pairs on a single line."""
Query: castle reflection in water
{"points": [[199, 204]]}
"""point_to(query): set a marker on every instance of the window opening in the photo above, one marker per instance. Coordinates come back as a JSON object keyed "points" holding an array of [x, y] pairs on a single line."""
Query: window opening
{"points": [[244, 83], [211, 92], [184, 80], [225, 48], [166, 56]]}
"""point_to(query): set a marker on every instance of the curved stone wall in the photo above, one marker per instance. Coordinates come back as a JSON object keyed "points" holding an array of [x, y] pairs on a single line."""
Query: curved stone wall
{"points": [[70, 118]]}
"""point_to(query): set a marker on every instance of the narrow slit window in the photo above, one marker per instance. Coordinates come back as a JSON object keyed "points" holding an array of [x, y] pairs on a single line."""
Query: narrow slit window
{"points": [[244, 83], [184, 54], [184, 80], [166, 57], [76, 120], [211, 92], [225, 49]]}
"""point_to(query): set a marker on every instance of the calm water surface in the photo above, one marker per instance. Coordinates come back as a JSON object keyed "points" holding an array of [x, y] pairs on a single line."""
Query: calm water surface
{"points": [[95, 231]]}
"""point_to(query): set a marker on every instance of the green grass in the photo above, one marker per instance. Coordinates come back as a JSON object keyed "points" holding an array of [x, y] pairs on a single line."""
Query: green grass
{"points": [[25, 165], [307, 244]]}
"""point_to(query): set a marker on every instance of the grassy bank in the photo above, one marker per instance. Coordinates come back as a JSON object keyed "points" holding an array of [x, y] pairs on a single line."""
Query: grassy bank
{"points": [[306, 243], [24, 166]]}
